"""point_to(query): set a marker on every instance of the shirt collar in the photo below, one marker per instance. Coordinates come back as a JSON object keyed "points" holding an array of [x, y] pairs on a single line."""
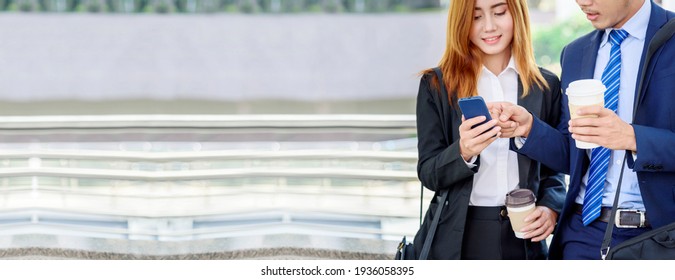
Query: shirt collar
{"points": [[636, 26], [511, 65]]}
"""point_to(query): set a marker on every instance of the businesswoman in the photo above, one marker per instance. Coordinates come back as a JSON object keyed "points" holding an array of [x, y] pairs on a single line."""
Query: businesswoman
{"points": [[488, 53]]}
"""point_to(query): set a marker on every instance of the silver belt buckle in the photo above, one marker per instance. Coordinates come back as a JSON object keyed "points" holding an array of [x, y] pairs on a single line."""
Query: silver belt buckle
{"points": [[617, 219]]}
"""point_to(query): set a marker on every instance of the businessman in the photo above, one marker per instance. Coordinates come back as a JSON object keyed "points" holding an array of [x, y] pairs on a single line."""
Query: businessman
{"points": [[614, 53]]}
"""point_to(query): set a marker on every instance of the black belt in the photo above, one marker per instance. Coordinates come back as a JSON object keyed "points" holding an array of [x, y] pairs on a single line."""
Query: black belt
{"points": [[625, 218], [486, 213]]}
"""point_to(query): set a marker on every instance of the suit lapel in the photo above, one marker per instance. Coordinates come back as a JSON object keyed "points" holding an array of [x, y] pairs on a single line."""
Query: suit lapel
{"points": [[656, 20], [456, 120], [589, 55], [640, 92]]}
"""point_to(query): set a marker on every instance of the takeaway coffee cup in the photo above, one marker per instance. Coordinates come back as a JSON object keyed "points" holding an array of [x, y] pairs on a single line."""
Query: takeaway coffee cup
{"points": [[582, 93], [519, 204]]}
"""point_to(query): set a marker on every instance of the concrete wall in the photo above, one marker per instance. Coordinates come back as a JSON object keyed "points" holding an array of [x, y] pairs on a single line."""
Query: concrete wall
{"points": [[83, 57]]}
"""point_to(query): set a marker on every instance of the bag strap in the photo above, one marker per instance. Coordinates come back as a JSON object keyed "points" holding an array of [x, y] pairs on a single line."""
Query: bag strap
{"points": [[607, 240], [444, 193], [421, 201], [661, 36], [432, 230]]}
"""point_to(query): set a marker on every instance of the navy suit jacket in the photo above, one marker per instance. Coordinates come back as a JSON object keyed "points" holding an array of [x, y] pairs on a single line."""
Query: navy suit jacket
{"points": [[654, 125]]}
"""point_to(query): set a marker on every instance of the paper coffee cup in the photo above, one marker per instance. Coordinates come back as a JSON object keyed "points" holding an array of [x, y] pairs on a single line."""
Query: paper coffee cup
{"points": [[519, 204], [582, 93]]}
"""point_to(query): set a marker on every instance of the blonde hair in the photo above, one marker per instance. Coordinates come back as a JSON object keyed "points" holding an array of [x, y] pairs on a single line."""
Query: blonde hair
{"points": [[461, 62]]}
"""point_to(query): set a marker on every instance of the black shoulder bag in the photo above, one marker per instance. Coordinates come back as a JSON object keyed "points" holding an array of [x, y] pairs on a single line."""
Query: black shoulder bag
{"points": [[659, 243], [405, 250]]}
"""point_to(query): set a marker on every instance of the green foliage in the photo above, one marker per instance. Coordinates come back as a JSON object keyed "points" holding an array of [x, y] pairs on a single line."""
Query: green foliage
{"points": [[28, 5], [549, 41], [292, 6], [92, 6], [230, 8], [204, 6], [314, 8], [377, 6], [400, 8], [249, 6], [333, 6], [54, 5], [124, 6]]}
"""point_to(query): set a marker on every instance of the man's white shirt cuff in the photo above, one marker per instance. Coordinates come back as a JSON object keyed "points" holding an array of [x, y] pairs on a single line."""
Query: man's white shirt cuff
{"points": [[519, 141]]}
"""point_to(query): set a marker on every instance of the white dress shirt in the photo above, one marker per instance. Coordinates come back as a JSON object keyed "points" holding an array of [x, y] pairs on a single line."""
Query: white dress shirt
{"points": [[631, 52], [498, 171]]}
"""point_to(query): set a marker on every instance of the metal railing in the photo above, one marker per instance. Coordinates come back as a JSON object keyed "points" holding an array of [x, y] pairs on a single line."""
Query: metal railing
{"points": [[206, 121], [212, 155], [370, 183], [209, 128]]}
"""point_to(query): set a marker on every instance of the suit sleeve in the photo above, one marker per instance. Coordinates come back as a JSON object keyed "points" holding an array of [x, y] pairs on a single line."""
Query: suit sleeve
{"points": [[548, 142], [440, 166], [552, 188], [655, 150], [654, 121]]}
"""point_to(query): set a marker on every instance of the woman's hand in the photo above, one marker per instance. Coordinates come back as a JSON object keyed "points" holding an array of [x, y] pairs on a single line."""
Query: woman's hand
{"points": [[516, 117], [509, 127], [472, 141], [541, 223]]}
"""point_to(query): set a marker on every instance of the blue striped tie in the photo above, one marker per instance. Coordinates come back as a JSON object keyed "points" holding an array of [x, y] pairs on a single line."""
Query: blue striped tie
{"points": [[600, 155]]}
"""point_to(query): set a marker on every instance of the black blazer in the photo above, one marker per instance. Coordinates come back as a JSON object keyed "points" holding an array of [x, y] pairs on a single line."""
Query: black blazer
{"points": [[441, 167]]}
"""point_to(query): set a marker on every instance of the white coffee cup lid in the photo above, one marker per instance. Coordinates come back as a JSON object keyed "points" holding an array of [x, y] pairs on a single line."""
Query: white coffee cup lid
{"points": [[585, 87]]}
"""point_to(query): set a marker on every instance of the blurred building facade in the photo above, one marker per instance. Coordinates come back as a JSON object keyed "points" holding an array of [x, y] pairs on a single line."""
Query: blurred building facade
{"points": [[217, 6]]}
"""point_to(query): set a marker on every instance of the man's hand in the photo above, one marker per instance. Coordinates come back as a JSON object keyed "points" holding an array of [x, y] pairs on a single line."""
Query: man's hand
{"points": [[516, 117], [541, 223], [508, 127], [607, 130]]}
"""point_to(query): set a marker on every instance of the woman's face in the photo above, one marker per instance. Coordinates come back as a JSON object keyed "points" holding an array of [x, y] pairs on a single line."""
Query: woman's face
{"points": [[492, 28]]}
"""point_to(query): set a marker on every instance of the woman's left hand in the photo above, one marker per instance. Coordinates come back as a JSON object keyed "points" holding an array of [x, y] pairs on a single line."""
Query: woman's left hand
{"points": [[541, 223]]}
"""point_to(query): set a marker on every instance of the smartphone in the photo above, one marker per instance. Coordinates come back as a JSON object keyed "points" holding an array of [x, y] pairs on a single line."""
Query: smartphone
{"points": [[473, 107]]}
